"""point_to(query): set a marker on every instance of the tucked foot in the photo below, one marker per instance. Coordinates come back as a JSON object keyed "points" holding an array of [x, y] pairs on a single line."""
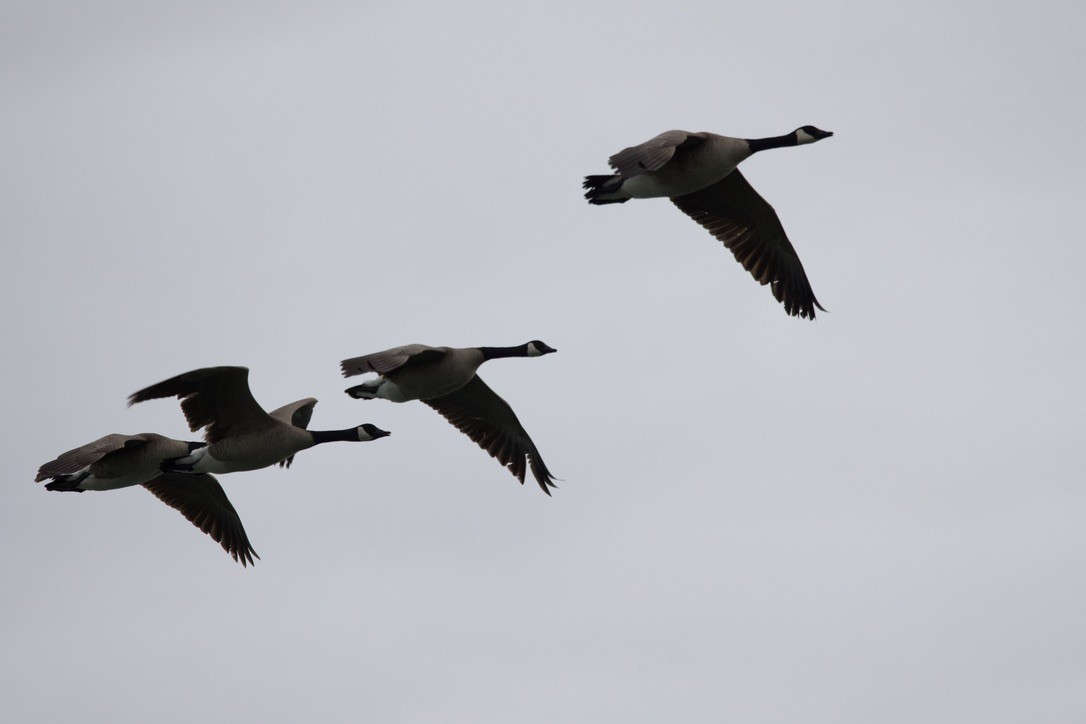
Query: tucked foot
{"points": [[601, 190], [174, 465], [67, 484], [365, 391]]}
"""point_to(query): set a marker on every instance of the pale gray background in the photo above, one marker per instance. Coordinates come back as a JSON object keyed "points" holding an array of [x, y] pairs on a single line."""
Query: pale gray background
{"points": [[878, 516]]}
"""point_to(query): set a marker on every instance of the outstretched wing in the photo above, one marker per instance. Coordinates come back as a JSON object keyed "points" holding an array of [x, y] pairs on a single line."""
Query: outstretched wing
{"points": [[652, 154], [391, 359], [737, 215], [79, 458], [217, 398], [478, 412], [201, 499]]}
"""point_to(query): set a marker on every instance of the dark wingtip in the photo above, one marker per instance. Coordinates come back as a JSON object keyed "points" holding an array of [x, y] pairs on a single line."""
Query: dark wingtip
{"points": [[808, 311], [545, 479]]}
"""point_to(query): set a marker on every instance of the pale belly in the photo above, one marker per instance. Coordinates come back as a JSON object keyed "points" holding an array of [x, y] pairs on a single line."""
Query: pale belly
{"points": [[124, 481], [240, 453]]}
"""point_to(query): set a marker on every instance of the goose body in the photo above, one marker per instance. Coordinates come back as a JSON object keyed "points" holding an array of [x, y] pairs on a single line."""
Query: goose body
{"points": [[415, 371], [698, 172], [445, 379], [239, 434], [117, 461], [683, 173], [111, 462]]}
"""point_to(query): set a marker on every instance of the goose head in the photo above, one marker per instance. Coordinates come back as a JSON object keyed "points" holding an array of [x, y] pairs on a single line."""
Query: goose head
{"points": [[810, 134], [369, 432], [538, 349]]}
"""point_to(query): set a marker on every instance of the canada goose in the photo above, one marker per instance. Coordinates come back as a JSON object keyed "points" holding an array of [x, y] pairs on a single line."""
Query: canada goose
{"points": [[697, 171], [118, 461], [444, 378], [239, 434]]}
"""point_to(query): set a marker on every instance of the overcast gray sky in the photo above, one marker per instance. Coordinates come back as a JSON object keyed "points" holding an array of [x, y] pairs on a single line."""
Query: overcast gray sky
{"points": [[877, 516]]}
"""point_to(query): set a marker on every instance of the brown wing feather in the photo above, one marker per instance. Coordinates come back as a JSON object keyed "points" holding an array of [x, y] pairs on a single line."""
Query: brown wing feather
{"points": [[217, 398], [653, 154], [478, 412], [202, 500], [737, 215], [79, 458], [390, 359]]}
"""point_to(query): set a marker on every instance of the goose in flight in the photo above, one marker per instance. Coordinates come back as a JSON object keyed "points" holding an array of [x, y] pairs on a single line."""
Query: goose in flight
{"points": [[119, 461], [444, 378], [239, 434], [697, 171]]}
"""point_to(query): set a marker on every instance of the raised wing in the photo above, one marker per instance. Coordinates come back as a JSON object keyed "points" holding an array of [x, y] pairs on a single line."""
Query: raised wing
{"points": [[79, 458], [201, 499], [478, 412], [390, 359], [297, 414], [737, 215], [217, 398], [652, 154]]}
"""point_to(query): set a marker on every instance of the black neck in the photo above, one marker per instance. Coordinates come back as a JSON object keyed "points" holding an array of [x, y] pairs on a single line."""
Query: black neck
{"points": [[348, 435], [761, 144], [496, 352]]}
